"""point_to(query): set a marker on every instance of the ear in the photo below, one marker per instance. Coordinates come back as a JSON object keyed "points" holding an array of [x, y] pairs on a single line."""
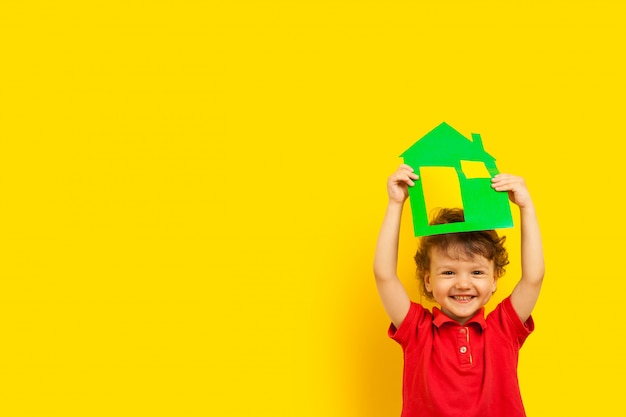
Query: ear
{"points": [[427, 282], [494, 285]]}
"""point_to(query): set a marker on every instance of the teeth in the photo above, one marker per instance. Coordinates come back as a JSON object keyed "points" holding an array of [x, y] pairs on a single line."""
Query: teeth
{"points": [[462, 297]]}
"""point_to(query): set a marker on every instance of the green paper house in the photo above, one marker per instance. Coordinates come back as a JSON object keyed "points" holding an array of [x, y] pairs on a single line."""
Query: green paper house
{"points": [[484, 207]]}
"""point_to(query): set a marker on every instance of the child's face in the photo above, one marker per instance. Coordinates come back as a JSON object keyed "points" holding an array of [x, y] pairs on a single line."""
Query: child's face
{"points": [[461, 285]]}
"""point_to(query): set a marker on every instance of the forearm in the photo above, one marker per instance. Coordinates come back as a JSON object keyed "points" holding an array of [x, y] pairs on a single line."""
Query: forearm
{"points": [[533, 267], [386, 256]]}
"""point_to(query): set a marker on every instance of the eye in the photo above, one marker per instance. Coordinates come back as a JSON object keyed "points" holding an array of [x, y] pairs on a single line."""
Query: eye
{"points": [[478, 273], [447, 273]]}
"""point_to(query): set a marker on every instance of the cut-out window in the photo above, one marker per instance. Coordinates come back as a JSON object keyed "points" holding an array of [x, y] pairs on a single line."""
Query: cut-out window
{"points": [[474, 169], [441, 188]]}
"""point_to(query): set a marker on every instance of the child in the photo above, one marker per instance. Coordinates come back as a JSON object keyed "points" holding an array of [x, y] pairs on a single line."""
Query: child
{"points": [[456, 361]]}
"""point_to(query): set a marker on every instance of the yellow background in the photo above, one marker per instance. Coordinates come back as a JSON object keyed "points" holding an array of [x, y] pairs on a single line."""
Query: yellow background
{"points": [[191, 192]]}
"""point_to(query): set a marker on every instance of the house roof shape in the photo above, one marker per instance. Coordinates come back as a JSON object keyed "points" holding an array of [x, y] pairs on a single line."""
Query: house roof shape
{"points": [[445, 146]]}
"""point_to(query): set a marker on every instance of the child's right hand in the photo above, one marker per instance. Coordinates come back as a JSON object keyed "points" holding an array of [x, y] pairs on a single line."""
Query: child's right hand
{"points": [[398, 183]]}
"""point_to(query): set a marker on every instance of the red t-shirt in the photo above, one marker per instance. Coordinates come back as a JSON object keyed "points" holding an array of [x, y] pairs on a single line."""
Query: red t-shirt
{"points": [[452, 370]]}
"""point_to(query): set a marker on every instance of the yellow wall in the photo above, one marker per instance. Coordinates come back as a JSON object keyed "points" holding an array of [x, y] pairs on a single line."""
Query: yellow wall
{"points": [[191, 193]]}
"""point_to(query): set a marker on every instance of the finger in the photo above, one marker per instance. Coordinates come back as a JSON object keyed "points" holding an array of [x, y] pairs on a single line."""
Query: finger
{"points": [[404, 168], [407, 174], [503, 184], [507, 185], [407, 179], [506, 179]]}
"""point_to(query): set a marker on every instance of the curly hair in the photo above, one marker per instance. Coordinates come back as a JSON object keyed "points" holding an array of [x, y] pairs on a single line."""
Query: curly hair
{"points": [[486, 243]]}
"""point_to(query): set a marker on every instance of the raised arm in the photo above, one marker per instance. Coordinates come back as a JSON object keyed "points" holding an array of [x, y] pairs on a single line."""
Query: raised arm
{"points": [[526, 292], [391, 291]]}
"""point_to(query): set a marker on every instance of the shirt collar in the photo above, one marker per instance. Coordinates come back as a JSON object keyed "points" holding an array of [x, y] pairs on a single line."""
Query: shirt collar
{"points": [[440, 318]]}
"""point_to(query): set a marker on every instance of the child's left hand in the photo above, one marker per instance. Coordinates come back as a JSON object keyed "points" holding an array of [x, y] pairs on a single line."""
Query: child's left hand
{"points": [[515, 186]]}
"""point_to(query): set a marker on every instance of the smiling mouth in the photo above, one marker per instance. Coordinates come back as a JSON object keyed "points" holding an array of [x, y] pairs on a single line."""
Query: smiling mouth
{"points": [[463, 298]]}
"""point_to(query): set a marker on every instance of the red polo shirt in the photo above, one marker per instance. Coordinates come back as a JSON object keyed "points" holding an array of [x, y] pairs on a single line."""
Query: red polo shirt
{"points": [[453, 370]]}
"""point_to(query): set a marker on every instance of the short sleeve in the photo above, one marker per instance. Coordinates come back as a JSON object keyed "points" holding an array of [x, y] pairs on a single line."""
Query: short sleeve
{"points": [[510, 323], [409, 326]]}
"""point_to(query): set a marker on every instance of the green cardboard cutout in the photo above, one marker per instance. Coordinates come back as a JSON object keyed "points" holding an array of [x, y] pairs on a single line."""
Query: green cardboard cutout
{"points": [[484, 208]]}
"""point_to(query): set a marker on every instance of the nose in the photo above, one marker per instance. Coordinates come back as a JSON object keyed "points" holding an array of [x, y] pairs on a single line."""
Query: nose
{"points": [[463, 282]]}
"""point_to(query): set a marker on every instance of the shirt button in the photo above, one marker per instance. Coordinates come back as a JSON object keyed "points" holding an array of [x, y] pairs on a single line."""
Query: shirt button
{"points": [[463, 330], [463, 349]]}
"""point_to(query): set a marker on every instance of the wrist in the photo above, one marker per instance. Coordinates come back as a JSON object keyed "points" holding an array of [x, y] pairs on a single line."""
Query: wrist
{"points": [[396, 203], [395, 208]]}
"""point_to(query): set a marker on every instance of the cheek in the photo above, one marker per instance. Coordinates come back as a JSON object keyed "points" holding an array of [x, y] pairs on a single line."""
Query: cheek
{"points": [[440, 287]]}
